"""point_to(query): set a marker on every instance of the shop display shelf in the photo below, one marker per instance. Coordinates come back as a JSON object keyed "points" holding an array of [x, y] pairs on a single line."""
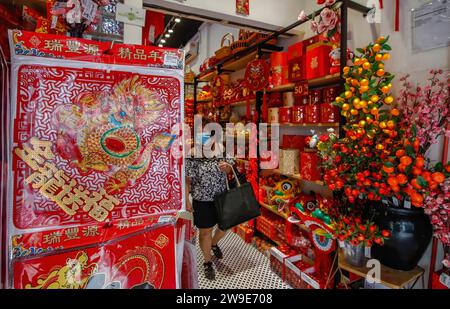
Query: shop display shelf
{"points": [[391, 278], [243, 103], [205, 100], [307, 125], [317, 82], [243, 160], [207, 77], [271, 208], [296, 176]]}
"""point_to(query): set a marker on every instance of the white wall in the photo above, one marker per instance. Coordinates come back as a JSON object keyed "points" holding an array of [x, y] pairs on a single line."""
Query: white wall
{"points": [[264, 13]]}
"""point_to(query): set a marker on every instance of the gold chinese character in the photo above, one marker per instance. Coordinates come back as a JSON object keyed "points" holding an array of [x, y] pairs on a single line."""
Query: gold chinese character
{"points": [[75, 199], [155, 55], [161, 241], [37, 154], [71, 233], [137, 222], [315, 63], [73, 46], [92, 49], [124, 53], [42, 175], [99, 204], [140, 54], [53, 45], [52, 238], [90, 231], [124, 224]]}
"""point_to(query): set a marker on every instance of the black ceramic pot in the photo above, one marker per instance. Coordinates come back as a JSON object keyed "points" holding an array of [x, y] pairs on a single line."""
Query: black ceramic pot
{"points": [[411, 233]]}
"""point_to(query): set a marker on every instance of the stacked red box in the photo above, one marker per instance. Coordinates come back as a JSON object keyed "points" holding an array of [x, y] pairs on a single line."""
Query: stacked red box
{"points": [[267, 227], [310, 166], [245, 232], [294, 141], [285, 115], [299, 114], [312, 113], [296, 60], [318, 60], [328, 112], [279, 68]]}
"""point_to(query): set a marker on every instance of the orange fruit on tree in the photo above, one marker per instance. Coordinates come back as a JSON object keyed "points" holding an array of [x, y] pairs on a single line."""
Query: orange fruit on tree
{"points": [[385, 89], [420, 162], [376, 48], [415, 184], [401, 168], [364, 82], [386, 57], [346, 70], [438, 177], [402, 179], [392, 181], [432, 185], [375, 98], [381, 72], [355, 82], [379, 57], [388, 100], [364, 89], [366, 66], [447, 168], [354, 112], [345, 107], [417, 199], [388, 169], [416, 145], [395, 189], [395, 112], [383, 125], [381, 66], [381, 39], [427, 176], [390, 124], [374, 111], [406, 160], [400, 153], [348, 94], [416, 171]]}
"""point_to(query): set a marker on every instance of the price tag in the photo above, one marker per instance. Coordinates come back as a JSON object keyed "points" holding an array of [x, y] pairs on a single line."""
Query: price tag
{"points": [[89, 9], [301, 89], [367, 252]]}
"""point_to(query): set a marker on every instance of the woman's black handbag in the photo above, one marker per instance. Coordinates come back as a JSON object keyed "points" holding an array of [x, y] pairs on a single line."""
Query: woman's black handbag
{"points": [[236, 205]]}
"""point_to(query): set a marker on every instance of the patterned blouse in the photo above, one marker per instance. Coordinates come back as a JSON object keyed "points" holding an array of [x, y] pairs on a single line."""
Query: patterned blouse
{"points": [[207, 180]]}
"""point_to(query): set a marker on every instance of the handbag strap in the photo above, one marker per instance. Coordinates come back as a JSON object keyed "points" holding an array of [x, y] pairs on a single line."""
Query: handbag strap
{"points": [[235, 177]]}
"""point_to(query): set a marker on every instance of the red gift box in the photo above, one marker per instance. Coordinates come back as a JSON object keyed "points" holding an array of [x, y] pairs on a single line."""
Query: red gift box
{"points": [[310, 166], [296, 50], [299, 114], [285, 114], [318, 60], [279, 59], [330, 94], [312, 113], [297, 69], [280, 75], [329, 113], [294, 141]]}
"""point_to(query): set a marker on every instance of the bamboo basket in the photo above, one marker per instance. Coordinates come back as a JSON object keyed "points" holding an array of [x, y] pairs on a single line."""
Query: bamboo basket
{"points": [[224, 50]]}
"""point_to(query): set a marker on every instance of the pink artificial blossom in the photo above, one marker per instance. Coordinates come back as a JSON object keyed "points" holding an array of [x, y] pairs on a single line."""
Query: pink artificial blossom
{"points": [[328, 16], [314, 26], [302, 16], [329, 2]]}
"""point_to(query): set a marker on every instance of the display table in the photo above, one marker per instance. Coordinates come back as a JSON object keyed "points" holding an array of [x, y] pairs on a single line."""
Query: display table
{"points": [[391, 278]]}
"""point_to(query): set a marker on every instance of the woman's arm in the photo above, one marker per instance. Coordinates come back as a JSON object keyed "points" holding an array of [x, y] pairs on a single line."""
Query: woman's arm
{"points": [[188, 190]]}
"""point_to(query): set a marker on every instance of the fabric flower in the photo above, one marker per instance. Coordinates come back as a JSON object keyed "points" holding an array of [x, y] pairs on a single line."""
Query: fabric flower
{"points": [[328, 17], [302, 16]]}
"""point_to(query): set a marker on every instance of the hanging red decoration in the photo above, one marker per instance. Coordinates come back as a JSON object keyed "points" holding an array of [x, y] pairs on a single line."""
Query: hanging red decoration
{"points": [[397, 13], [257, 79]]}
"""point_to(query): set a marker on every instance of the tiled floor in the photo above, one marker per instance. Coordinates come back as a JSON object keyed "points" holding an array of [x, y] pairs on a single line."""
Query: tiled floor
{"points": [[242, 267]]}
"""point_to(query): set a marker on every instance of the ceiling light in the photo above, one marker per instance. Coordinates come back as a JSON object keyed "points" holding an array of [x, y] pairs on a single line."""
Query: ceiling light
{"points": [[163, 41], [170, 30], [160, 45], [167, 35], [178, 19]]}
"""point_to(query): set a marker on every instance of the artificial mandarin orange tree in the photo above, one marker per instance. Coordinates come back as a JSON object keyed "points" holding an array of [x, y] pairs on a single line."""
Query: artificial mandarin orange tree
{"points": [[379, 157]]}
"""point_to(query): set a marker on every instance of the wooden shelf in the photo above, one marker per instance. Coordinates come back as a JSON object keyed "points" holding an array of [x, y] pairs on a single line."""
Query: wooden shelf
{"points": [[392, 278], [306, 125], [317, 82], [205, 101], [207, 77], [296, 176], [242, 160], [243, 103], [270, 208]]}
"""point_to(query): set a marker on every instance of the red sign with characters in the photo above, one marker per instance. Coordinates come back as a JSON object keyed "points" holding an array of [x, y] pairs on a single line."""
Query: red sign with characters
{"points": [[143, 260]]}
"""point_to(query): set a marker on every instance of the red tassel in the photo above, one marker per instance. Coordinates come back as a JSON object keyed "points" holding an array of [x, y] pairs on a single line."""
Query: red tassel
{"points": [[264, 107], [397, 15], [381, 4]]}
